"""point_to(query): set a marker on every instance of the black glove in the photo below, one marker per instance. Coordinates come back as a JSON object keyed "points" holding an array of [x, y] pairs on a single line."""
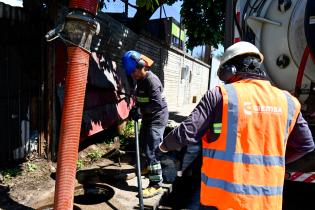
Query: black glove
{"points": [[160, 153], [135, 114]]}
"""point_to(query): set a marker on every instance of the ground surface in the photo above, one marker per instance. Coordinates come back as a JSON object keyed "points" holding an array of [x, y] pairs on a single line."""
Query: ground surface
{"points": [[24, 185], [30, 185]]}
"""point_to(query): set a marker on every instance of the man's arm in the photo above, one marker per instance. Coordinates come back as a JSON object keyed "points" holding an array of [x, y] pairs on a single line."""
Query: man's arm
{"points": [[300, 141], [191, 130]]}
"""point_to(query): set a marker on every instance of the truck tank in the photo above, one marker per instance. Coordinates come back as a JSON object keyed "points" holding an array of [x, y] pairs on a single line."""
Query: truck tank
{"points": [[284, 31]]}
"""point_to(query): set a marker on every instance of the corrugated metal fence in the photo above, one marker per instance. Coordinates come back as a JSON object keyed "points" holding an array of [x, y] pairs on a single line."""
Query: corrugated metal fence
{"points": [[22, 78], [169, 61], [20, 61]]}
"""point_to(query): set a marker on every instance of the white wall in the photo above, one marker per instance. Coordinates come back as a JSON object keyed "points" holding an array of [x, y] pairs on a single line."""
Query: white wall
{"points": [[214, 79]]}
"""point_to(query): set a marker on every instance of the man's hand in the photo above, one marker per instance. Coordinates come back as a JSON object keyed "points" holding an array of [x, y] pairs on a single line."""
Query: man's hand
{"points": [[135, 114]]}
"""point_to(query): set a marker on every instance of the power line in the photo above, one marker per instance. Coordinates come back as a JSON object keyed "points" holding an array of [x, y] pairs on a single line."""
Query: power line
{"points": [[164, 10]]}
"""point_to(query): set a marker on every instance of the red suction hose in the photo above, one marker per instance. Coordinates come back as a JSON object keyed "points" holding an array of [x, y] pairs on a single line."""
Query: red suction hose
{"points": [[71, 120], [300, 74]]}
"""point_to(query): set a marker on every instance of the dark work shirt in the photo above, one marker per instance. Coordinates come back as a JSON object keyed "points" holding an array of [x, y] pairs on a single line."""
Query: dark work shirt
{"points": [[151, 101], [209, 110]]}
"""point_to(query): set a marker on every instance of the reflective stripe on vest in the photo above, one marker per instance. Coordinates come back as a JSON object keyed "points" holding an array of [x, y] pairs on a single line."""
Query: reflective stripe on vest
{"points": [[239, 164], [143, 99], [241, 189], [217, 127]]}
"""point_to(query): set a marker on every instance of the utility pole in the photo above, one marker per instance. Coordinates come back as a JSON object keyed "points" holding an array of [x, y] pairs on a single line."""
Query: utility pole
{"points": [[126, 8], [161, 11], [229, 26]]}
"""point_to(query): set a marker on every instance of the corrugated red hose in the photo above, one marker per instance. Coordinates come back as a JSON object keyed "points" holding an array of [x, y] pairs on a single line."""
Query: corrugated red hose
{"points": [[72, 117], [87, 5], [78, 63], [70, 127]]}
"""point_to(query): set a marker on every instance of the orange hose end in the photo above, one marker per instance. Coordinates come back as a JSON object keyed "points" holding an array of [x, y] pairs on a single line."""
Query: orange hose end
{"points": [[87, 5]]}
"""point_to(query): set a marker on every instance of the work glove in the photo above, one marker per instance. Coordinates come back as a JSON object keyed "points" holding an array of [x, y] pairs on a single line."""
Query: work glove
{"points": [[162, 148], [159, 153], [135, 113]]}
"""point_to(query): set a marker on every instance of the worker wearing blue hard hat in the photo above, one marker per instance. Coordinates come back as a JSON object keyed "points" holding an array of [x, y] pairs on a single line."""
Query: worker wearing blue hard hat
{"points": [[151, 106], [133, 60]]}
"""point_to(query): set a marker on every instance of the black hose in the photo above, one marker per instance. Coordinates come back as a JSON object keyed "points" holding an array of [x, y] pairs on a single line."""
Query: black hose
{"points": [[257, 5], [243, 20]]}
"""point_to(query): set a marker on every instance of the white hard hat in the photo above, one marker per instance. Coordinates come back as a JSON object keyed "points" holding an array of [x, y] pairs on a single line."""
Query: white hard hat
{"points": [[240, 48]]}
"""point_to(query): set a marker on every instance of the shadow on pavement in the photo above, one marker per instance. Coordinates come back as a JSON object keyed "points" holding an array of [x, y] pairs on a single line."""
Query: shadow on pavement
{"points": [[114, 177], [6, 202]]}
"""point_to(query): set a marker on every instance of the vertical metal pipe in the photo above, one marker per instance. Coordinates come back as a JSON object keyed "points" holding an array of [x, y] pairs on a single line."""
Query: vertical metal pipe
{"points": [[126, 8], [229, 26], [141, 206]]}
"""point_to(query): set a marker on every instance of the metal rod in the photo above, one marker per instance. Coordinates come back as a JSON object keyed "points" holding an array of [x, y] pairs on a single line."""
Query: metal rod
{"points": [[141, 206], [229, 26], [126, 8]]}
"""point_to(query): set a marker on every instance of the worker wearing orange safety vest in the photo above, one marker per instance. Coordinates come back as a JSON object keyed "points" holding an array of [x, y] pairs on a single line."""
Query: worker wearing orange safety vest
{"points": [[245, 127]]}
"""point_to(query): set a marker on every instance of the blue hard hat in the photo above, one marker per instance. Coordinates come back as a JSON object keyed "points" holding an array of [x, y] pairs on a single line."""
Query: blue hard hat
{"points": [[130, 61]]}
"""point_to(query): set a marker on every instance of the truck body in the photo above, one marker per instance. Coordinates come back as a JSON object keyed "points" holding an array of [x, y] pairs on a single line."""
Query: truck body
{"points": [[284, 31]]}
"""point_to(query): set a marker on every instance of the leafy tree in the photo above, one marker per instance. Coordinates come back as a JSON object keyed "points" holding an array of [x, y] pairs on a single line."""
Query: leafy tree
{"points": [[203, 19]]}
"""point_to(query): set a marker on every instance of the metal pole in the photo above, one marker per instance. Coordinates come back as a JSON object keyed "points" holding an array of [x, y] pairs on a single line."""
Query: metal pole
{"points": [[229, 26], [161, 12], [126, 8], [141, 206]]}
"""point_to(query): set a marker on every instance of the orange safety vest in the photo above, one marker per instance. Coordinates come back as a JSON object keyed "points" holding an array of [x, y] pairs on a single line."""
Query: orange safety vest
{"points": [[245, 167]]}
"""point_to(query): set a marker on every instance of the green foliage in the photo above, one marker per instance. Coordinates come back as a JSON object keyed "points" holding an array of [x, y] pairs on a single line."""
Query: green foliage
{"points": [[170, 2], [109, 141], [30, 167], [9, 173], [127, 133], [204, 21], [80, 164], [95, 155], [129, 130], [149, 4]]}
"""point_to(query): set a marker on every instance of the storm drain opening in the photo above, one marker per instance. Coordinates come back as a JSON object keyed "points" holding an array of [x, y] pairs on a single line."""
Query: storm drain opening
{"points": [[91, 194]]}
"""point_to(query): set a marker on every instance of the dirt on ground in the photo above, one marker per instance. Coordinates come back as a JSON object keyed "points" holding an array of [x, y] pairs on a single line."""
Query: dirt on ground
{"points": [[23, 184]]}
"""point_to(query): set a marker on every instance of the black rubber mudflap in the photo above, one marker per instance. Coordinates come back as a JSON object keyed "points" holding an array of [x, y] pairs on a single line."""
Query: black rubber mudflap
{"points": [[310, 25]]}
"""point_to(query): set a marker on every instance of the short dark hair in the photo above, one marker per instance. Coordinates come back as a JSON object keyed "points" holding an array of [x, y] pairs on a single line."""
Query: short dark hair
{"points": [[247, 63]]}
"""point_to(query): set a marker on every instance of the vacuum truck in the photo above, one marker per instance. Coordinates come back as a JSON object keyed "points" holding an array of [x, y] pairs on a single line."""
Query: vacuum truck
{"points": [[284, 31]]}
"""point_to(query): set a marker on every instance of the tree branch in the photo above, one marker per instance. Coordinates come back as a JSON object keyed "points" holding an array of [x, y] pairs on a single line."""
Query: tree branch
{"points": [[143, 15], [129, 4]]}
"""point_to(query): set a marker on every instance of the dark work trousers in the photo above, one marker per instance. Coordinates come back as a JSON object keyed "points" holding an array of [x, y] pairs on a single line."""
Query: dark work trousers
{"points": [[150, 138]]}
